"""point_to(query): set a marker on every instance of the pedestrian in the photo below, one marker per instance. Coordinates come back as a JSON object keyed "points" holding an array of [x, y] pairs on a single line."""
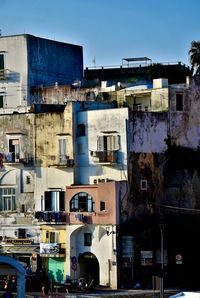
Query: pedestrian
{"points": [[45, 289], [8, 293]]}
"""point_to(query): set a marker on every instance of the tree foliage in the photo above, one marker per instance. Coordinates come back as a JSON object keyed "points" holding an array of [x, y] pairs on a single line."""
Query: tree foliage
{"points": [[194, 54]]}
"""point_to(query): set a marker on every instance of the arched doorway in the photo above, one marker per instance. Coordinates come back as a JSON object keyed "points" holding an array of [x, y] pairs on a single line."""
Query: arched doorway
{"points": [[89, 266], [9, 265]]}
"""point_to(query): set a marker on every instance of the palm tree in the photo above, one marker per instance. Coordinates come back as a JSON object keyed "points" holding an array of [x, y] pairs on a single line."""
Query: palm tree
{"points": [[194, 53]]}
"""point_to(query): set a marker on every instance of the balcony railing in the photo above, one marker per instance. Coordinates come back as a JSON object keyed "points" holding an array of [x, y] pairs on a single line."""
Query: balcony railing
{"points": [[104, 156], [12, 157], [51, 216]]}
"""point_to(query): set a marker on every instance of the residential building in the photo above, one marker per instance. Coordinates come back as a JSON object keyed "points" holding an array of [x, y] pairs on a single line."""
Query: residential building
{"points": [[92, 231], [27, 62], [164, 187]]}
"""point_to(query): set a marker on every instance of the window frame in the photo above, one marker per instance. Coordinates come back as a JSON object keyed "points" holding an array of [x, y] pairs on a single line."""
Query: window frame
{"points": [[1, 101], [102, 205], [54, 200], [21, 233], [143, 184], [7, 200], [84, 205], [108, 142], [179, 102], [87, 239], [62, 149]]}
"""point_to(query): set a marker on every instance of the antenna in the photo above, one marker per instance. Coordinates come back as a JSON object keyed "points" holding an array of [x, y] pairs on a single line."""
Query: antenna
{"points": [[94, 61]]}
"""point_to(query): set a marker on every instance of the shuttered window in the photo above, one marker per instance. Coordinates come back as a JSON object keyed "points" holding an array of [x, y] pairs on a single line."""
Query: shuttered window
{"points": [[62, 149], [108, 143], [54, 200]]}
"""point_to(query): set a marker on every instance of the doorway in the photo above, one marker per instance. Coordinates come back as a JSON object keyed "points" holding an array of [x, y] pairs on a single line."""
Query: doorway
{"points": [[89, 267]]}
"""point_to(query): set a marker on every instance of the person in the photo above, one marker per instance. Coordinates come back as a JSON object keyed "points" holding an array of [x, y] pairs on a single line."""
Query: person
{"points": [[29, 270], [8, 293], [45, 289]]}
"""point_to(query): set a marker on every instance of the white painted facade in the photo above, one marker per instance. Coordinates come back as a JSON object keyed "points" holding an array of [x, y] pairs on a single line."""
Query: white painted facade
{"points": [[14, 87], [100, 123], [51, 178], [27, 61], [103, 248]]}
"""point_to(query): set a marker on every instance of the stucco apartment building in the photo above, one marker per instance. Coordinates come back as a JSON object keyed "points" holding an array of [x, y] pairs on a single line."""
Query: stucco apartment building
{"points": [[93, 182], [28, 62], [47, 146]]}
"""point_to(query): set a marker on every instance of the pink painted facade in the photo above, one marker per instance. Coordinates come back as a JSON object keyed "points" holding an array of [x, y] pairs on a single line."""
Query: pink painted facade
{"points": [[105, 199]]}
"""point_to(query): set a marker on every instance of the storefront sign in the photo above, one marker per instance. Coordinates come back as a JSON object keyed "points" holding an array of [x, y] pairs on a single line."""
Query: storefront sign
{"points": [[18, 241], [49, 248], [146, 257]]}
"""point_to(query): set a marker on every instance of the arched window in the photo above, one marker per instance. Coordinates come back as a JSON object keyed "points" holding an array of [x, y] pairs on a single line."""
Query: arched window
{"points": [[82, 202]]}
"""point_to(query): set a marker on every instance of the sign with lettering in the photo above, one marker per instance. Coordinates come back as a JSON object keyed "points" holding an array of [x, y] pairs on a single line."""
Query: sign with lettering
{"points": [[18, 241]]}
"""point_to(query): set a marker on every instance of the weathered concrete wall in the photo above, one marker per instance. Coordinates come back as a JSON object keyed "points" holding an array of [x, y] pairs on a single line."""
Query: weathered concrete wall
{"points": [[147, 132], [50, 173], [185, 125], [52, 61]]}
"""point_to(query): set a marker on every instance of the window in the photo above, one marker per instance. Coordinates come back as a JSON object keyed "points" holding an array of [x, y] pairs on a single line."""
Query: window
{"points": [[102, 206], [54, 201], [108, 143], [1, 101], [62, 150], [82, 202], [87, 239], [1, 61], [1, 67], [7, 199], [54, 237], [14, 149], [143, 184], [107, 148], [179, 102], [22, 233]]}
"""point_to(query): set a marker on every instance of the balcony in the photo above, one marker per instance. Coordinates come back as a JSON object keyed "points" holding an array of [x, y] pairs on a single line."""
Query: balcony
{"points": [[65, 160], [109, 157], [53, 217], [12, 158], [80, 218], [61, 160]]}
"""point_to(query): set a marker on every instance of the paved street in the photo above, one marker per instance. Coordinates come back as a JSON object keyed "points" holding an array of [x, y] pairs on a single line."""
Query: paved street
{"points": [[108, 293]]}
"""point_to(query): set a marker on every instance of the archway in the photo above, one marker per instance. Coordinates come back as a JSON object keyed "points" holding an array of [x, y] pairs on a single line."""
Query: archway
{"points": [[89, 266], [10, 266]]}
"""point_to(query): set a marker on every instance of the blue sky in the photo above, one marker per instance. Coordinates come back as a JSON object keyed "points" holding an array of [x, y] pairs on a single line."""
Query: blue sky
{"points": [[109, 30]]}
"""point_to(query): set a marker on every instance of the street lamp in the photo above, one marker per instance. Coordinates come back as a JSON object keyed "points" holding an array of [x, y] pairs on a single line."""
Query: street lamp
{"points": [[162, 261]]}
